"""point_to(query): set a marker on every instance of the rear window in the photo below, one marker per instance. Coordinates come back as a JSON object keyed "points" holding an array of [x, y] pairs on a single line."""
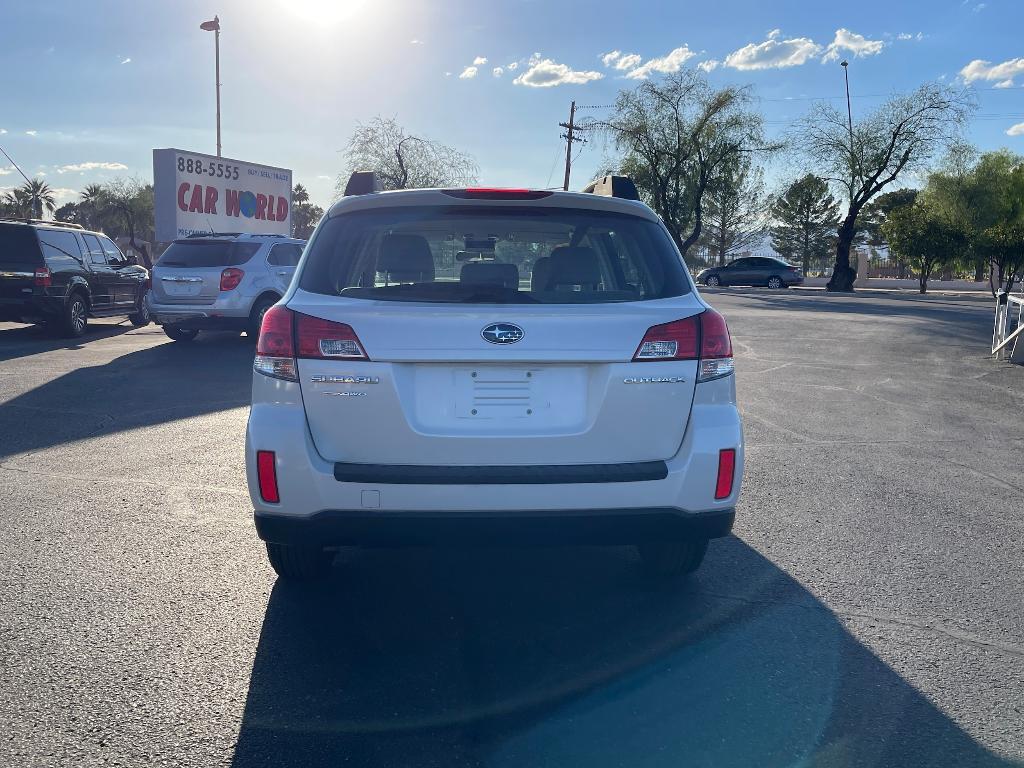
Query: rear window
{"points": [[18, 246], [493, 255], [207, 253]]}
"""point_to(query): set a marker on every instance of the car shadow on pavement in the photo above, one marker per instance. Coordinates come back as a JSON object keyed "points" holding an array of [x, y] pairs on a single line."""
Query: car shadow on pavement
{"points": [[154, 385], [26, 340], [568, 657]]}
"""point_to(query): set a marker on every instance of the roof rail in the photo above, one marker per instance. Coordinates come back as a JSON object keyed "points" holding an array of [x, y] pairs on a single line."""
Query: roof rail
{"points": [[613, 186], [213, 234], [55, 223], [362, 183]]}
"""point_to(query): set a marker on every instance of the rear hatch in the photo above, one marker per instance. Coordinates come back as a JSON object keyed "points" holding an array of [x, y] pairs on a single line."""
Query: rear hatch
{"points": [[20, 256], [189, 271], [522, 352]]}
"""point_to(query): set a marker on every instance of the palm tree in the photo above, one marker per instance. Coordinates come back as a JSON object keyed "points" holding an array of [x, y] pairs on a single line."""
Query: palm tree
{"points": [[39, 195], [94, 198], [18, 203], [299, 195]]}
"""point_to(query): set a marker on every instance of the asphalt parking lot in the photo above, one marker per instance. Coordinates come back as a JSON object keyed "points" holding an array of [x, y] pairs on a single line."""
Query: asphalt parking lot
{"points": [[867, 611]]}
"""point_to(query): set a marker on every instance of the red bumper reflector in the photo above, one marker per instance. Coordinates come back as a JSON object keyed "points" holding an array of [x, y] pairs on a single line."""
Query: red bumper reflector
{"points": [[726, 470], [266, 472]]}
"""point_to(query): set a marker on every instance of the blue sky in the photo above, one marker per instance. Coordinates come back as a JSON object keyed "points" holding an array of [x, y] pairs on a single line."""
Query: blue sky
{"points": [[91, 88]]}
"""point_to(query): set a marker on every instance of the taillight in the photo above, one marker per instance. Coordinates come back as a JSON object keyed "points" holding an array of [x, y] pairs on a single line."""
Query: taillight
{"points": [[275, 350], [286, 336], [726, 473], [266, 474], [230, 278], [703, 337], [43, 277], [316, 338]]}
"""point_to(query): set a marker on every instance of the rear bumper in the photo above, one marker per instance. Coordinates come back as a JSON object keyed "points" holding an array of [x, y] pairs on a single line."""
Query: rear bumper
{"points": [[609, 526], [221, 315], [31, 308]]}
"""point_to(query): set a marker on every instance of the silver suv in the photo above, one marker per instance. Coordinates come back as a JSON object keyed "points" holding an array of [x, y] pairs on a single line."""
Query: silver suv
{"points": [[221, 281]]}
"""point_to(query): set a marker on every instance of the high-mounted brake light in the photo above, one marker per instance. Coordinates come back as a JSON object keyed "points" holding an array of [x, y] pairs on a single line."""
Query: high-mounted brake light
{"points": [[498, 193], [286, 336], [703, 337], [266, 474], [726, 473], [43, 277], [230, 278]]}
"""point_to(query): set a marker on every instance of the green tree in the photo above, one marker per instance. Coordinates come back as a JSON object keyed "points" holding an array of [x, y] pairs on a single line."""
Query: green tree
{"points": [[1003, 246], [900, 136], [403, 161], [805, 219], [735, 210], [925, 238], [675, 135], [91, 205], [32, 198], [875, 214], [71, 213], [17, 203], [125, 207], [305, 215]]}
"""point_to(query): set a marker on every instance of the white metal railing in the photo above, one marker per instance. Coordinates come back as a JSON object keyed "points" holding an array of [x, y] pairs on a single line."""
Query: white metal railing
{"points": [[1005, 344]]}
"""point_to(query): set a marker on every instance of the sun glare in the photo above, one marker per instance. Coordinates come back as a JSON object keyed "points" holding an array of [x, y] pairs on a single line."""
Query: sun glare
{"points": [[324, 11]]}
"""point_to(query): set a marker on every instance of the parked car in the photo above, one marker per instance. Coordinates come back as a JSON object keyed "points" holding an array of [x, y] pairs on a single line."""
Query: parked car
{"points": [[223, 281], [62, 274], [497, 363], [753, 270]]}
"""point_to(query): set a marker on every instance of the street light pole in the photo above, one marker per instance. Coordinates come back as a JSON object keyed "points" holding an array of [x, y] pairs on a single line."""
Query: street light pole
{"points": [[849, 112], [214, 26]]}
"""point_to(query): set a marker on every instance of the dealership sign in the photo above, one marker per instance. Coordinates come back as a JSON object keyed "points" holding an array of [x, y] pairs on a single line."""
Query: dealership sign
{"points": [[196, 193]]}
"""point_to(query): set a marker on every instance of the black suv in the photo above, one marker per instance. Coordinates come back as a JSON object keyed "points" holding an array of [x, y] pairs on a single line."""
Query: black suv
{"points": [[753, 270], [62, 274]]}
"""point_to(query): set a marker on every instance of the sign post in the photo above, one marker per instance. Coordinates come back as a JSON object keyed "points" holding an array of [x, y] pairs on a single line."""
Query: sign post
{"points": [[194, 193]]}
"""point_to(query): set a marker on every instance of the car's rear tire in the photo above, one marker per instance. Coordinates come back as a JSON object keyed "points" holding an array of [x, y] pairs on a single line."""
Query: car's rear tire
{"points": [[75, 317], [775, 282], [299, 562], [181, 334], [712, 281], [675, 557], [256, 316], [140, 318]]}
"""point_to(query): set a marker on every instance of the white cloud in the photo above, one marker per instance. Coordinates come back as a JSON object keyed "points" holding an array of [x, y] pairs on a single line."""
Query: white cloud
{"points": [[92, 166], [979, 7], [323, 176], [545, 73], [980, 69], [1015, 130], [774, 53], [447, 74], [3, 131], [31, 133], [858, 45], [63, 193], [415, 42], [479, 61], [513, 66], [621, 60], [611, 57], [1004, 84], [126, 60], [498, 71], [671, 62], [709, 65], [6, 171], [468, 73], [904, 36]]}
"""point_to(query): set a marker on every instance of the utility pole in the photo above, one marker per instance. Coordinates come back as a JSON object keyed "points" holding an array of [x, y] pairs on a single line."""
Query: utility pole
{"points": [[37, 204], [569, 139]]}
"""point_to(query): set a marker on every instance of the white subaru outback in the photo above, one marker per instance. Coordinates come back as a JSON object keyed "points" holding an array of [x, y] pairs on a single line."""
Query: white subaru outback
{"points": [[498, 364]]}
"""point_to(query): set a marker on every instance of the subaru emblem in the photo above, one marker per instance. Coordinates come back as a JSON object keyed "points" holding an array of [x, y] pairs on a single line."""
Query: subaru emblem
{"points": [[502, 333]]}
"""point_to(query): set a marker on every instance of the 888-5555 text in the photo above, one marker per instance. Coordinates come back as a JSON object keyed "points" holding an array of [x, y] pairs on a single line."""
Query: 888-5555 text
{"points": [[207, 168]]}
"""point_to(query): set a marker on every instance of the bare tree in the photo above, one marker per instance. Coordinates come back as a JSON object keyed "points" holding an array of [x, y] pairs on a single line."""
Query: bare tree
{"points": [[403, 161], [900, 136], [675, 135]]}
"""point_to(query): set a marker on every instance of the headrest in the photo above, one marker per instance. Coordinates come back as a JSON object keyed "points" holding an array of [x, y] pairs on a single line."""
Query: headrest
{"points": [[490, 273], [541, 273], [406, 259], [574, 266]]}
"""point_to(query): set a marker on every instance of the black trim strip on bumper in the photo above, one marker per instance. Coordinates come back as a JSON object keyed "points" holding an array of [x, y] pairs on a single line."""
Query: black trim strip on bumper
{"points": [[611, 526], [409, 474]]}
